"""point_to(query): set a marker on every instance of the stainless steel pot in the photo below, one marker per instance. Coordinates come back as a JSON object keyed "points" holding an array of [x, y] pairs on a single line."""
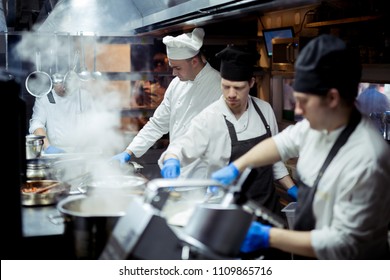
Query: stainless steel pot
{"points": [[219, 228], [34, 145], [39, 169], [89, 221]]}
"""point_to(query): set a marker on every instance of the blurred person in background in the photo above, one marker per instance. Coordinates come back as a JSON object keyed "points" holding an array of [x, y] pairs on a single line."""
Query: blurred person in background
{"points": [[57, 115], [195, 86], [150, 93], [373, 102], [343, 206]]}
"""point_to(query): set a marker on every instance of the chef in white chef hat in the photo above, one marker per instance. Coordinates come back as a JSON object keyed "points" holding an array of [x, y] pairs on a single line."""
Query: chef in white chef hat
{"points": [[196, 85], [184, 46]]}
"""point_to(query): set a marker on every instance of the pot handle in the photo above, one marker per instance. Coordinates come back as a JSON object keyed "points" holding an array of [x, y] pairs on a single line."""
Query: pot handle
{"points": [[56, 219]]}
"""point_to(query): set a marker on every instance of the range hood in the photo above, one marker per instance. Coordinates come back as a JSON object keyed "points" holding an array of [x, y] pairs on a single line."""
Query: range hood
{"points": [[132, 17]]}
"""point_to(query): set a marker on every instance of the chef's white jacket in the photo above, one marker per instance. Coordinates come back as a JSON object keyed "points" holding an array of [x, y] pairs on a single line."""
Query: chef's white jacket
{"points": [[352, 202], [208, 137], [62, 120], [182, 102]]}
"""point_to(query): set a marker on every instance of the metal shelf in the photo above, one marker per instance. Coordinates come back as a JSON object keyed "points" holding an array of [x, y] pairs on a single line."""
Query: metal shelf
{"points": [[342, 21]]}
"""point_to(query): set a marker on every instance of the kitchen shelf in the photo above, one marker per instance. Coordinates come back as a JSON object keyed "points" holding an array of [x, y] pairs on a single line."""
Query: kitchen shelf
{"points": [[342, 21]]}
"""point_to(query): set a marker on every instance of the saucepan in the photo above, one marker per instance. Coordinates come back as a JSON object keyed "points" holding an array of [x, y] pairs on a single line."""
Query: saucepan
{"points": [[38, 83], [221, 229]]}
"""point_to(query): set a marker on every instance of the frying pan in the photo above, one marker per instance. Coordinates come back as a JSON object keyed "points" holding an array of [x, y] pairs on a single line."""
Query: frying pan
{"points": [[38, 83]]}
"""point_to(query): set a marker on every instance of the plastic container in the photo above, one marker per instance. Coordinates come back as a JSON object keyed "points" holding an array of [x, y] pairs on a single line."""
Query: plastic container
{"points": [[289, 210]]}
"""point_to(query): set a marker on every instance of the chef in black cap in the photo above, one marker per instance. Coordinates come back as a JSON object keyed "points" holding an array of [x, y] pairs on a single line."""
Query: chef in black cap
{"points": [[343, 207], [230, 127]]}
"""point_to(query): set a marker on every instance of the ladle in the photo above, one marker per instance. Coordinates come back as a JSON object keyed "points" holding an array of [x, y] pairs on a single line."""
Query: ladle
{"points": [[56, 74], [10, 76], [96, 74], [71, 79], [84, 74]]}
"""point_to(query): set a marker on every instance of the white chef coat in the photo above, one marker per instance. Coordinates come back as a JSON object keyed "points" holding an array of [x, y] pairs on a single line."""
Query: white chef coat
{"points": [[208, 137], [61, 119], [182, 102], [352, 202]]}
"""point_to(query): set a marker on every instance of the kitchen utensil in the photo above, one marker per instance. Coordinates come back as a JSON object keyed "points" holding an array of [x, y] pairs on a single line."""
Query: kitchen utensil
{"points": [[49, 187], [34, 145], [36, 192], [95, 74], [10, 76], [84, 74], [220, 228], [39, 169], [56, 75], [38, 83], [71, 79], [386, 125]]}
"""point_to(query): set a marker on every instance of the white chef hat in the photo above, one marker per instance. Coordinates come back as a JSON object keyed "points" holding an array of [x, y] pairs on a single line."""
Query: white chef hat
{"points": [[184, 46]]}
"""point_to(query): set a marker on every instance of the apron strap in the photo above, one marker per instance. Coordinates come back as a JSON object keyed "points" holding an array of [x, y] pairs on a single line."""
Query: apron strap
{"points": [[341, 140]]}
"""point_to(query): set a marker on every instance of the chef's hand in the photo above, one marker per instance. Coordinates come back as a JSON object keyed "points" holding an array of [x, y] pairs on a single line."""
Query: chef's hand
{"points": [[293, 192], [122, 158], [53, 150], [171, 168], [256, 238], [226, 175]]}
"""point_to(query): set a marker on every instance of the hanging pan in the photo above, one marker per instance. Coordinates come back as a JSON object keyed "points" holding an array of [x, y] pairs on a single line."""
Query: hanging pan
{"points": [[38, 83]]}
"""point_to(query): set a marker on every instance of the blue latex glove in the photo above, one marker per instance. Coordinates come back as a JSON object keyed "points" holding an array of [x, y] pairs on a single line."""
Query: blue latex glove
{"points": [[171, 168], [256, 238], [53, 150], [293, 192], [122, 158], [226, 175]]}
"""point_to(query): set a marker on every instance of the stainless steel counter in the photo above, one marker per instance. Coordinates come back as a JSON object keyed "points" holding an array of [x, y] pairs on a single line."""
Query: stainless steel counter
{"points": [[40, 221]]}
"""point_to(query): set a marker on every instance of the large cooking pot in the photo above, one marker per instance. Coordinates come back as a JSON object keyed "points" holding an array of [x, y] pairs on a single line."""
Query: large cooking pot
{"points": [[221, 229], [89, 221]]}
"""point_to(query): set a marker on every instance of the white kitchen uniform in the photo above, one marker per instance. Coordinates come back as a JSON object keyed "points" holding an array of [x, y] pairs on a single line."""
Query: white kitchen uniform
{"points": [[208, 137], [352, 202], [61, 119], [182, 102]]}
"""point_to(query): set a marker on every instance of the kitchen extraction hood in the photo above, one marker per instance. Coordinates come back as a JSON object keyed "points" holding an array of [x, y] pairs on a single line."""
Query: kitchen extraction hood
{"points": [[132, 17]]}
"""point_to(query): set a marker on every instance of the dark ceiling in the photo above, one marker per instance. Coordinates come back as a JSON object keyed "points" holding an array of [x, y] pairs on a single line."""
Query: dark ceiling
{"points": [[128, 17], [21, 15]]}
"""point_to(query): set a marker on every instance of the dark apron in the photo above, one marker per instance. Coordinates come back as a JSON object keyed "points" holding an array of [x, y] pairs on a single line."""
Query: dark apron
{"points": [[258, 187], [51, 98], [304, 216]]}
